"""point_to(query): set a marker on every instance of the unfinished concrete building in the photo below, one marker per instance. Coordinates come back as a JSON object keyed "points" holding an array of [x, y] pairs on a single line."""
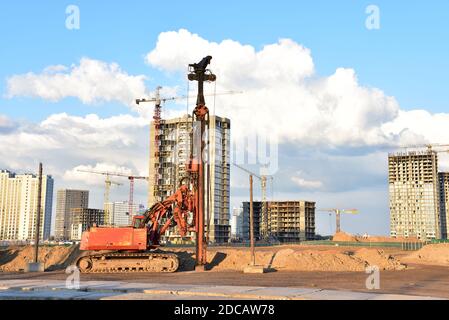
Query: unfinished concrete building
{"points": [[257, 211], [288, 221], [169, 156], [82, 219], [444, 203], [414, 195], [291, 221], [65, 201]]}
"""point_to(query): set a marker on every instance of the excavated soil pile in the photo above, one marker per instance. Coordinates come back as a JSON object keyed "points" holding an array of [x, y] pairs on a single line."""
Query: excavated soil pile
{"points": [[437, 254], [344, 237], [15, 259], [347, 237], [296, 259], [285, 258]]}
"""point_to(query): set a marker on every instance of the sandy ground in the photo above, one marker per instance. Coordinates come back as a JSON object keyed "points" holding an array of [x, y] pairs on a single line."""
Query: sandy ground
{"points": [[280, 258], [347, 237], [56, 257], [295, 258], [424, 272], [436, 254]]}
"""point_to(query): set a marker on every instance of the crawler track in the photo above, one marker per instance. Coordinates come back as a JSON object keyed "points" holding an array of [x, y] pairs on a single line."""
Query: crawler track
{"points": [[128, 262]]}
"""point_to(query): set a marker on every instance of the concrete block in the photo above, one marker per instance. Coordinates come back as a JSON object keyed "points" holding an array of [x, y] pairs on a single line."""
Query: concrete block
{"points": [[35, 267], [254, 269]]}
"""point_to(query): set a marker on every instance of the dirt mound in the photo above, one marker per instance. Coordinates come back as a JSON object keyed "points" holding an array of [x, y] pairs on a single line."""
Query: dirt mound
{"points": [[298, 259], [15, 259], [283, 258], [437, 254], [347, 237], [344, 237]]}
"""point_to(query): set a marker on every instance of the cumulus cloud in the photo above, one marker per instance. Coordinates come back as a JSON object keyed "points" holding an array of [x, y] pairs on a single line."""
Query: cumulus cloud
{"points": [[304, 183], [282, 94], [79, 173], [63, 141], [6, 124], [92, 81]]}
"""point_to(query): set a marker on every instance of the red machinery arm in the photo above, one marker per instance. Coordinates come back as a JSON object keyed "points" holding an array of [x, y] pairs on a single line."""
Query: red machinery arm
{"points": [[177, 208]]}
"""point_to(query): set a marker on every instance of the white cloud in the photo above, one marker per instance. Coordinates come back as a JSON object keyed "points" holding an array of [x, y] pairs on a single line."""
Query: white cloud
{"points": [[304, 183], [92, 81], [78, 174], [282, 94], [64, 141]]}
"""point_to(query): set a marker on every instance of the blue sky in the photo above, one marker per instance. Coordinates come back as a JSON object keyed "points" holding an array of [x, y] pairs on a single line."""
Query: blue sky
{"points": [[407, 58]]}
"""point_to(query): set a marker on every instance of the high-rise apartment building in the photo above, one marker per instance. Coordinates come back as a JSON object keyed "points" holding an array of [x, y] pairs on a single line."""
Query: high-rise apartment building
{"points": [[237, 223], [119, 213], [288, 221], [65, 201], [82, 219], [169, 157], [414, 195], [444, 203], [18, 206]]}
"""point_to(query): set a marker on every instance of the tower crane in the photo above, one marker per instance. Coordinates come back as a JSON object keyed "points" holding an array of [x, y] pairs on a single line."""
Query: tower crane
{"points": [[430, 147], [108, 183], [338, 213], [131, 179]]}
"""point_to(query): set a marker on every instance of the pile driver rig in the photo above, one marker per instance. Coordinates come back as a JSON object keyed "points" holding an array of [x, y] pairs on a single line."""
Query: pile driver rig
{"points": [[132, 249]]}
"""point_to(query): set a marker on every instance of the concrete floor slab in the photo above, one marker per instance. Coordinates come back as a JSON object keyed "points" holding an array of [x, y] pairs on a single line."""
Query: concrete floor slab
{"points": [[92, 290], [337, 295]]}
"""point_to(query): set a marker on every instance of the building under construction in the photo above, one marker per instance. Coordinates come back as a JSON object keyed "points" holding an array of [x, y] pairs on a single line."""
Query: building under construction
{"points": [[170, 145], [84, 218], [444, 203], [288, 221], [414, 195]]}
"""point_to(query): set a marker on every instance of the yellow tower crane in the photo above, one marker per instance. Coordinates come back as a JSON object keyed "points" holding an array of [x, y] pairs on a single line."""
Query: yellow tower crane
{"points": [[338, 213]]}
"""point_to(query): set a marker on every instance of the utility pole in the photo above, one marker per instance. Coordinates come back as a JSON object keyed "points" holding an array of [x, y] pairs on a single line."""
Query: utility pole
{"points": [[38, 215], [252, 268], [251, 220]]}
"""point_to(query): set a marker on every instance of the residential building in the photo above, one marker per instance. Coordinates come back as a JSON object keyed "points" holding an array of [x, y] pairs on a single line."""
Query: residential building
{"points": [[414, 195], [444, 204], [82, 219], [169, 157], [65, 201], [257, 210], [237, 223], [119, 213], [288, 221], [18, 206], [291, 221]]}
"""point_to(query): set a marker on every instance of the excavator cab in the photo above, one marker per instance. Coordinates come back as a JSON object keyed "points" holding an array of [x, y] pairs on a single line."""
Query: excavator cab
{"points": [[138, 221]]}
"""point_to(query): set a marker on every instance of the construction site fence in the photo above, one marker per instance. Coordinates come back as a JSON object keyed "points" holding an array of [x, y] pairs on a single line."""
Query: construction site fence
{"points": [[407, 246]]}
